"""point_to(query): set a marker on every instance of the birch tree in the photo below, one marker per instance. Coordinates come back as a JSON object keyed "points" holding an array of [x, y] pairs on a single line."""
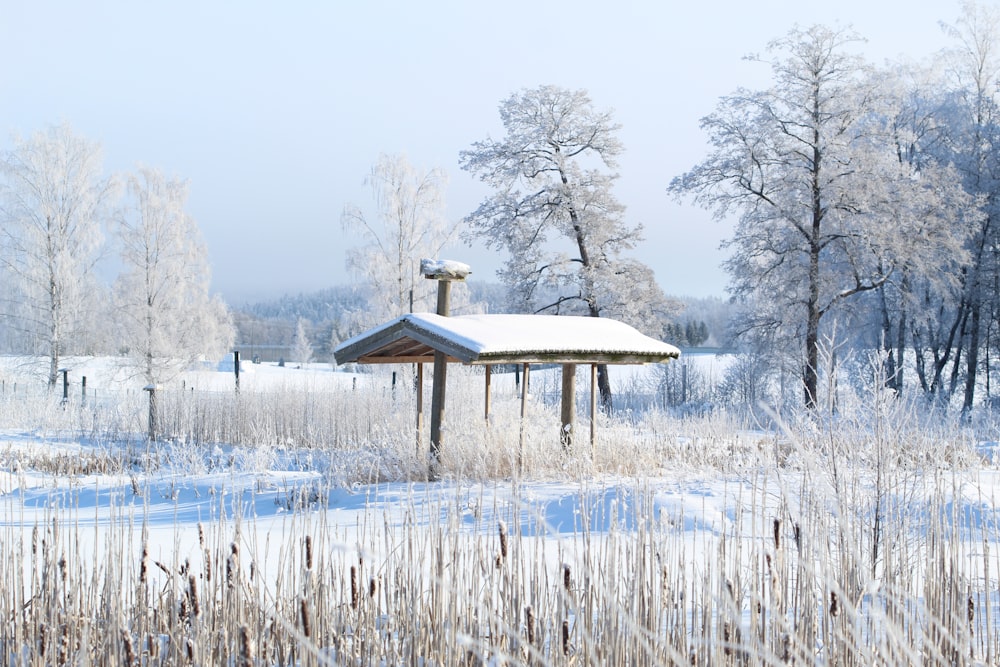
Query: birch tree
{"points": [[167, 317], [54, 201], [554, 213], [827, 209], [408, 224]]}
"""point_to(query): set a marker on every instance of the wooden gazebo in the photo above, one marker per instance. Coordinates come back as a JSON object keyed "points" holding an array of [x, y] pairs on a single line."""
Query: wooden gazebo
{"points": [[487, 340]]}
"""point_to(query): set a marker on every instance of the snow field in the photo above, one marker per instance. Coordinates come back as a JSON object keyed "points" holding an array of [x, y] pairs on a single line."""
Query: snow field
{"points": [[869, 539]]}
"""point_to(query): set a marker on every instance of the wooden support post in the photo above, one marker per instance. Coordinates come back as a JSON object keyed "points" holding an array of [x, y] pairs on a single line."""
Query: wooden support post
{"points": [[568, 412], [486, 407], [524, 413], [439, 383], [593, 410], [420, 405], [236, 369], [443, 272]]}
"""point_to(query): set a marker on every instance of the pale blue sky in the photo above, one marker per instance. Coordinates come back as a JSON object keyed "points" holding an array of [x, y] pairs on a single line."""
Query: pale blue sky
{"points": [[275, 111]]}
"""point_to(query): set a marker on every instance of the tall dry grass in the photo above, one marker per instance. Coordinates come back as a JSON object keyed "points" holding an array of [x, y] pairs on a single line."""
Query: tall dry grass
{"points": [[789, 578], [865, 536]]}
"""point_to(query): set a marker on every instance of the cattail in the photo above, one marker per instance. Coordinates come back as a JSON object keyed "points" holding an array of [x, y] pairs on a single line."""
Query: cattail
{"points": [[834, 604], [354, 587], [777, 534], [189, 646], [971, 611], [309, 552], [142, 563], [152, 646], [565, 637], [304, 614], [63, 643], [232, 564], [373, 587], [246, 648], [567, 583], [201, 535], [529, 620], [193, 592], [798, 537], [127, 646], [503, 540]]}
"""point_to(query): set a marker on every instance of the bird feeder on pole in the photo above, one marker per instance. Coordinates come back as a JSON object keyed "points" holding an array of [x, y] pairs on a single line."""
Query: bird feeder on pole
{"points": [[445, 272]]}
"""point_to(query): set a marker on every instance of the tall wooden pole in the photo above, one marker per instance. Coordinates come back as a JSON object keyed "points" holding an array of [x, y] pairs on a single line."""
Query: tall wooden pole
{"points": [[440, 379], [444, 272], [486, 402]]}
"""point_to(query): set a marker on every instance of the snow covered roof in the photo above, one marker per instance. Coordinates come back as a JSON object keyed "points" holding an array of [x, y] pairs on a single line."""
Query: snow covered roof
{"points": [[504, 339]]}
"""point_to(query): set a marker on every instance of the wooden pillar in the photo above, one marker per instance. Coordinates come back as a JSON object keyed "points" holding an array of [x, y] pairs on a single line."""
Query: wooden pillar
{"points": [[437, 403], [236, 368], [420, 404], [443, 272], [593, 410], [568, 412], [524, 412], [486, 407], [439, 382]]}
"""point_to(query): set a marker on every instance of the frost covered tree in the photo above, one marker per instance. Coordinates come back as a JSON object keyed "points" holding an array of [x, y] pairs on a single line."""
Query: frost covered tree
{"points": [[408, 224], [827, 209], [972, 144], [918, 305], [166, 315], [54, 202], [302, 350], [554, 213]]}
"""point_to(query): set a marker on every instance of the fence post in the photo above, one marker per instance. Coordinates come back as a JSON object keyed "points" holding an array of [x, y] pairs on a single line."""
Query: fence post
{"points": [[151, 388], [236, 368], [65, 374], [83, 396], [684, 383]]}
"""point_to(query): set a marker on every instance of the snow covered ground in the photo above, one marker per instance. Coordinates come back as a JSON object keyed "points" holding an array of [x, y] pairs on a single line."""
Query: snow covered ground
{"points": [[871, 511]]}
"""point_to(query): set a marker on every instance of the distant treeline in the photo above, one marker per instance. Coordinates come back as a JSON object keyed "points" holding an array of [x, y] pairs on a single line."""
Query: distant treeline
{"points": [[266, 329]]}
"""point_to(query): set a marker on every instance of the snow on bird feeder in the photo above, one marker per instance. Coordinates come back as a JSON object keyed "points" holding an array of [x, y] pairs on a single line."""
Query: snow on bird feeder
{"points": [[444, 269]]}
